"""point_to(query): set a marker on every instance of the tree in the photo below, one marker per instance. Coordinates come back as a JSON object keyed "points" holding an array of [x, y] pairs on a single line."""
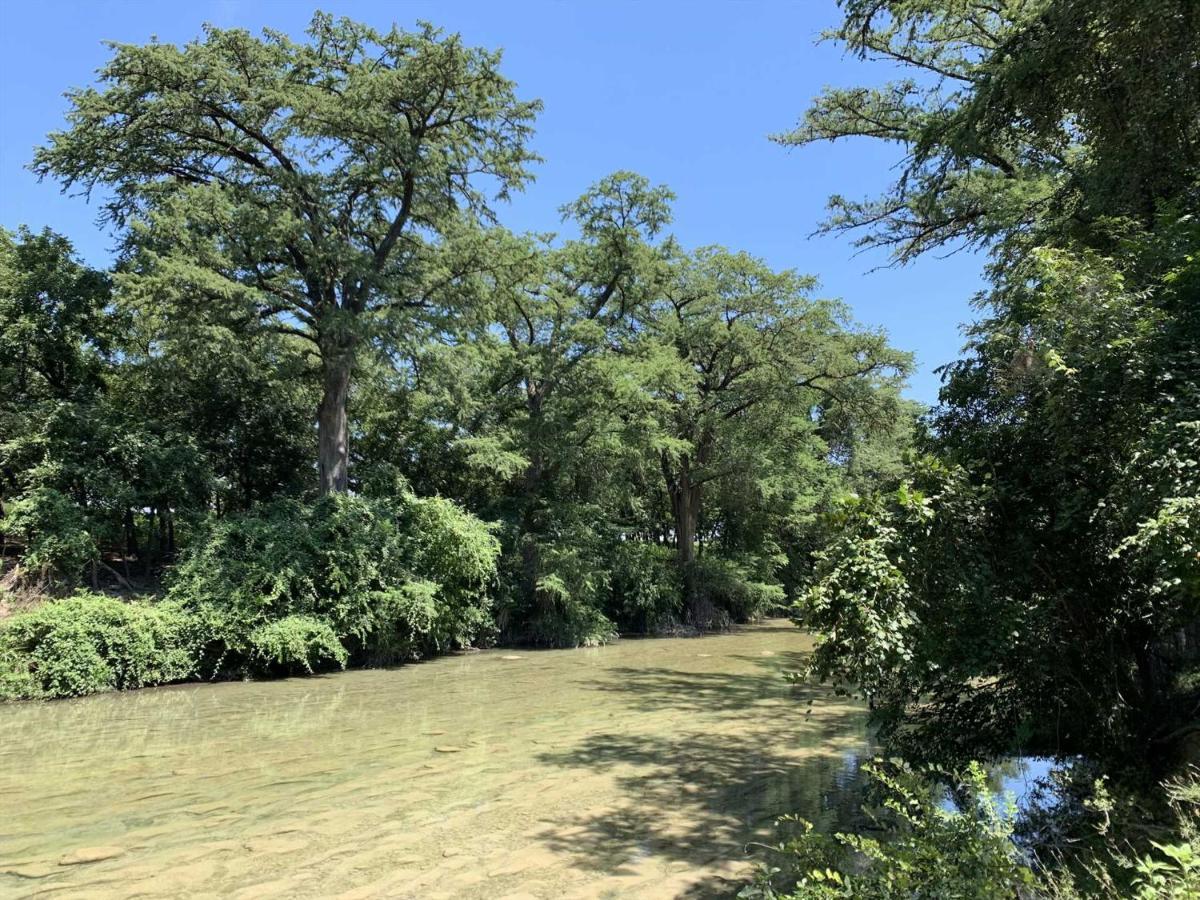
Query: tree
{"points": [[52, 307], [54, 341], [553, 356], [1041, 580], [88, 441], [1017, 115], [299, 185], [744, 366]]}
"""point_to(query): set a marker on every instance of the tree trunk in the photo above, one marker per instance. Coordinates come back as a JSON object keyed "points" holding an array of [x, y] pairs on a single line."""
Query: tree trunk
{"points": [[148, 557], [686, 498], [531, 489], [333, 428], [530, 555], [132, 551]]}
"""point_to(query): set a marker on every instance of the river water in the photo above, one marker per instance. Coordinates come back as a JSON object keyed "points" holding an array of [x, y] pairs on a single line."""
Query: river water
{"points": [[640, 769]]}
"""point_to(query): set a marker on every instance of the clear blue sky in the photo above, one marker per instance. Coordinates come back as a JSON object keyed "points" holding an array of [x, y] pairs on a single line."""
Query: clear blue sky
{"points": [[682, 92]]}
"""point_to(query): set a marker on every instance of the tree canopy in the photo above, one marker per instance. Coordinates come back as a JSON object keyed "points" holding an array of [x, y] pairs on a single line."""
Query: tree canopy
{"points": [[304, 186], [1034, 581]]}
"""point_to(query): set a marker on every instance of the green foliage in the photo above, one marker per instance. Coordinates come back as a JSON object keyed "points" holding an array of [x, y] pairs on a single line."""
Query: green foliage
{"points": [[286, 588], [304, 186], [1169, 869], [308, 223], [753, 382], [296, 643], [927, 849], [57, 540], [93, 465], [1038, 585], [90, 642], [1032, 583], [732, 587], [1015, 116], [55, 332], [567, 605], [565, 619], [300, 585], [940, 834], [644, 590]]}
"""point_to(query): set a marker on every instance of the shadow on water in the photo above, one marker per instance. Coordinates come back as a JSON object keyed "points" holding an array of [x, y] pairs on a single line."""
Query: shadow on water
{"points": [[656, 688], [642, 769], [701, 794]]}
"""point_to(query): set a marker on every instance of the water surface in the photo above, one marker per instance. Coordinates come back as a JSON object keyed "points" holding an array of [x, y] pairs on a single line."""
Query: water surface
{"points": [[641, 769]]}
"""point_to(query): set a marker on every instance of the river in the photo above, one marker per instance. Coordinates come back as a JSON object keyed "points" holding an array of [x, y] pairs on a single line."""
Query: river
{"points": [[640, 769]]}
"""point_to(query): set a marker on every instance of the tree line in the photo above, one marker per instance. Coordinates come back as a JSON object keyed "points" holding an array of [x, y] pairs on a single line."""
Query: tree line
{"points": [[314, 314]]}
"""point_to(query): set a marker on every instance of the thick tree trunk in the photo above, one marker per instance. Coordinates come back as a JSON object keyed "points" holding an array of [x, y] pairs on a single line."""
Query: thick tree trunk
{"points": [[333, 428]]}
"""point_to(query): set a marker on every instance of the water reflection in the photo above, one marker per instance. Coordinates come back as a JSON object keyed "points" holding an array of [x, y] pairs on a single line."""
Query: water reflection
{"points": [[640, 769]]}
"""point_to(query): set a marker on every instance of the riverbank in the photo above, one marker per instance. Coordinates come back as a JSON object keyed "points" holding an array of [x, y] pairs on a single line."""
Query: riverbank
{"points": [[87, 642]]}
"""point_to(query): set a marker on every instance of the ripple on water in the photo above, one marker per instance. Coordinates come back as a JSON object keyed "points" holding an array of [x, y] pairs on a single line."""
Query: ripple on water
{"points": [[638, 769]]}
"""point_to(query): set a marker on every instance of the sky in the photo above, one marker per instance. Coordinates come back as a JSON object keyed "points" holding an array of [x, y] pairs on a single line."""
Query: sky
{"points": [[685, 93]]}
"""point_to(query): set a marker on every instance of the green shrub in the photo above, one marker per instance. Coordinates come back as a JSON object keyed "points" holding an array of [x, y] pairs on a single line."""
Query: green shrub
{"points": [[57, 541], [1110, 842], [1170, 870], [297, 642], [645, 594], [299, 586], [735, 590], [567, 618], [566, 608], [920, 846], [929, 850], [90, 642]]}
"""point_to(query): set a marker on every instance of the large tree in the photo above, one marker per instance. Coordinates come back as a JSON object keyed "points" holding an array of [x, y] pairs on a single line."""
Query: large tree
{"points": [[556, 380], [1038, 581], [302, 185], [745, 364]]}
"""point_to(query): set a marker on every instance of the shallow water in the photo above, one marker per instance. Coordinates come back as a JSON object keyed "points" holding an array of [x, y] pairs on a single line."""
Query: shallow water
{"points": [[641, 769]]}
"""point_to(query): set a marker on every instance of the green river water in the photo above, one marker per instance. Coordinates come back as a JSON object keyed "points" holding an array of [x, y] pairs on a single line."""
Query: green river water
{"points": [[640, 769]]}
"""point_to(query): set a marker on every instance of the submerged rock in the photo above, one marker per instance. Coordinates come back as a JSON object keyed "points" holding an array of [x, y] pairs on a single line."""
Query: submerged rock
{"points": [[90, 855]]}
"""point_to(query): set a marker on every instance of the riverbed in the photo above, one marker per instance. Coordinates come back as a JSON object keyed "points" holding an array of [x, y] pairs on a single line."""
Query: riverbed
{"points": [[640, 769]]}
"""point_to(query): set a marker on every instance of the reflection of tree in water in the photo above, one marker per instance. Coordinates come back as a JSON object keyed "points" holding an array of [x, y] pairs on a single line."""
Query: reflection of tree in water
{"points": [[701, 794]]}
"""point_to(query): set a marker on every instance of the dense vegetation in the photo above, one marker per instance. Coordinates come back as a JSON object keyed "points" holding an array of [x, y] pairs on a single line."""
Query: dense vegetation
{"points": [[1031, 582], [323, 410]]}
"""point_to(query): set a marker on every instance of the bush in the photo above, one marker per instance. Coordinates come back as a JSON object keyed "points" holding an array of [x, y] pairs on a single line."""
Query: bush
{"points": [[566, 619], [734, 590], [298, 587], [297, 642], [57, 541], [645, 594], [926, 847], [90, 642], [964, 851], [566, 610], [1112, 840]]}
